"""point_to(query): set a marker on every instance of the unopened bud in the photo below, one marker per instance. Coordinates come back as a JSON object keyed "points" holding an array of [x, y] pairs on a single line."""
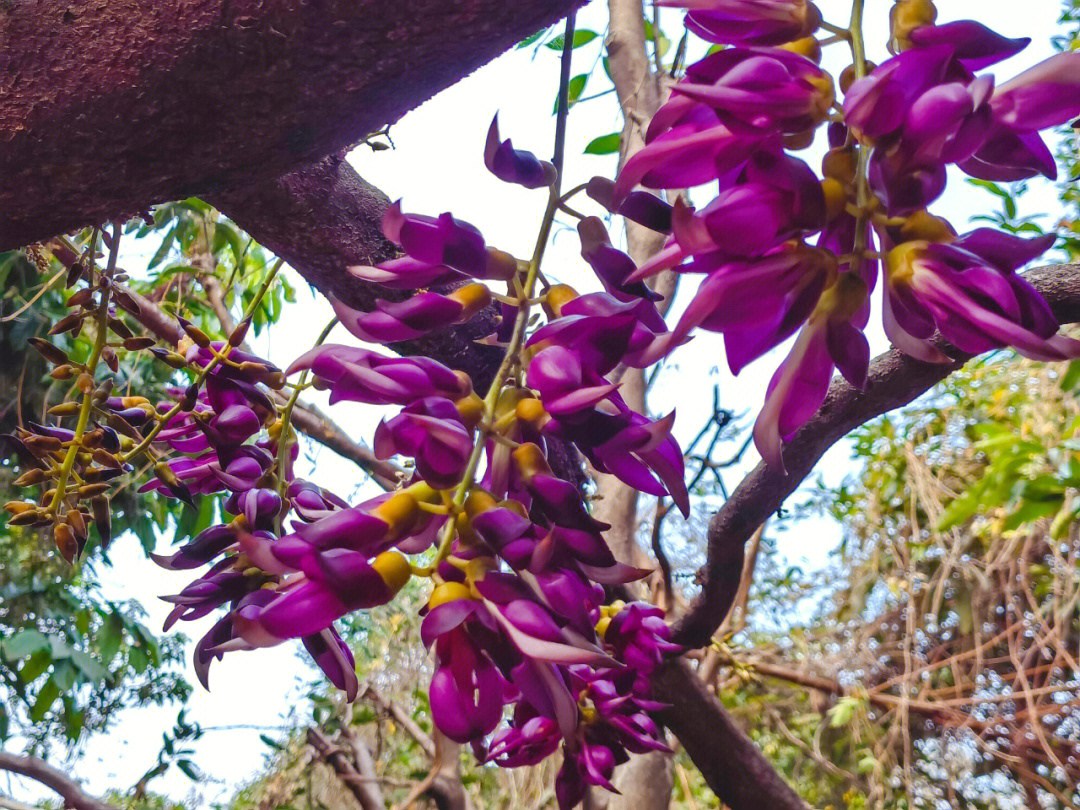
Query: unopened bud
{"points": [[69, 323], [65, 542], [85, 383], [65, 409], [137, 344], [197, 335], [29, 478], [64, 372], [52, 353]]}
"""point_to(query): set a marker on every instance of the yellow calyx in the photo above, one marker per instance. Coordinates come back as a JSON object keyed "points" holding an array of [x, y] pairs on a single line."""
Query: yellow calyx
{"points": [[836, 198], [901, 260], [448, 592], [531, 411], [472, 297], [922, 225], [602, 626], [397, 511], [557, 297], [905, 17], [478, 502], [471, 408], [393, 569], [529, 460], [807, 46], [500, 264]]}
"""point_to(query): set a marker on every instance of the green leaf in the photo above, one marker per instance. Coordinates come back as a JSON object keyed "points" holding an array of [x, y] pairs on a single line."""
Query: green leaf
{"points": [[91, 668], [271, 743], [581, 37], [1031, 511], [44, 701], [24, 644], [604, 145], [1071, 377], [576, 85], [110, 637], [189, 769], [529, 40], [64, 673], [35, 665]]}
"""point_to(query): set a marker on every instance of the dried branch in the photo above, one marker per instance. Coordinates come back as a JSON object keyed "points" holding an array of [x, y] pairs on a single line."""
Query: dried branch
{"points": [[364, 786]]}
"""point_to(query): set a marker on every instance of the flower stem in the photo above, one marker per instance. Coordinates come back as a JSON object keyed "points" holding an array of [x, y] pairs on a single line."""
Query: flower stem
{"points": [[531, 272], [286, 415]]}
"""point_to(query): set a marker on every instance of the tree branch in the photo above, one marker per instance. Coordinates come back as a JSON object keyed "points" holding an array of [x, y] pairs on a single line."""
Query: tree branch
{"points": [[109, 106], [364, 786], [895, 380], [736, 770], [41, 771]]}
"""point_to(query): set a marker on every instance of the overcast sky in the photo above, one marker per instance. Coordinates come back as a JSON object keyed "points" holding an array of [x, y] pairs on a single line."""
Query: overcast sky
{"points": [[437, 166]]}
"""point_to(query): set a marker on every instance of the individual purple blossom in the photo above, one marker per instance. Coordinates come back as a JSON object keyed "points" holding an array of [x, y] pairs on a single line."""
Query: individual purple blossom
{"points": [[335, 659], [394, 321], [354, 374], [515, 165], [466, 689], [641, 207], [760, 88], [430, 431], [969, 290], [610, 264], [831, 338], [749, 22], [640, 637]]}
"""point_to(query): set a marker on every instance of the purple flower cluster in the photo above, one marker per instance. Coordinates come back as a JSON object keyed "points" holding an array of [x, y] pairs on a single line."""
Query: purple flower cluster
{"points": [[517, 616], [783, 250]]}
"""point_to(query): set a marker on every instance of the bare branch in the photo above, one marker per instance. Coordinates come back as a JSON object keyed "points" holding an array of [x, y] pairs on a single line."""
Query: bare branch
{"points": [[41, 771]]}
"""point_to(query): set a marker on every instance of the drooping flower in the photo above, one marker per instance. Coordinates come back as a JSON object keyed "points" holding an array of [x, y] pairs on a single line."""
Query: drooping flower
{"points": [[515, 165], [749, 22], [430, 431], [391, 322]]}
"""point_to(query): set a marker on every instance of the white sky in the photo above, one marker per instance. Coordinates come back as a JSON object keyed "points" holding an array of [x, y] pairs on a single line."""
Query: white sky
{"points": [[437, 166]]}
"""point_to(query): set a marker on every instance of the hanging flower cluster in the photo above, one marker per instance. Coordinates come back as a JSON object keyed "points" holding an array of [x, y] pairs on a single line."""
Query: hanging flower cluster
{"points": [[532, 656], [782, 249]]}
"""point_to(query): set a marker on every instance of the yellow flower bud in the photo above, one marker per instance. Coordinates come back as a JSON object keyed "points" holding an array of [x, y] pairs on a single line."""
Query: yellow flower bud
{"points": [[807, 46], [557, 297], [473, 298], [448, 592], [393, 568]]}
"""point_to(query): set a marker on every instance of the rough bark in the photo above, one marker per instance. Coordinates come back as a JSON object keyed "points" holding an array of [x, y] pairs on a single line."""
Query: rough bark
{"points": [[109, 106], [356, 772], [894, 380], [326, 218]]}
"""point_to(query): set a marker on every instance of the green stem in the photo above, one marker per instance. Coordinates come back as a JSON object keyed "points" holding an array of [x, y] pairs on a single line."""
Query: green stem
{"points": [[286, 414], [513, 346], [102, 319], [862, 195]]}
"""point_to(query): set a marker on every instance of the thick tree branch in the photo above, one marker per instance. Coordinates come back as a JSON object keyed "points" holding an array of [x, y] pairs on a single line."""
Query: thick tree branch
{"points": [[41, 771], [736, 770], [895, 380], [363, 785], [110, 106]]}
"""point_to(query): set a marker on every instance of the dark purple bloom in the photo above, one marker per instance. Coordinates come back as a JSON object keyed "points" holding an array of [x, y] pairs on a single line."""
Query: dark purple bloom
{"points": [[610, 264], [515, 165], [335, 659]]}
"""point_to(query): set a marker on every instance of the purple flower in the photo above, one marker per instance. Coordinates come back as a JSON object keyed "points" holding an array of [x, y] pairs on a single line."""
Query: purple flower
{"points": [[749, 22], [393, 321], [466, 691], [610, 264], [832, 338], [431, 431], [566, 387], [640, 637], [335, 659], [205, 546], [641, 207], [762, 88], [514, 165], [969, 291], [358, 375]]}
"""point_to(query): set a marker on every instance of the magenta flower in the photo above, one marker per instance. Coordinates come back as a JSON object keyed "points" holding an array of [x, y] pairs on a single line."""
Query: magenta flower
{"points": [[762, 88], [430, 431], [394, 321], [514, 165], [641, 207], [335, 659], [749, 22], [611, 265], [969, 290], [359, 375], [832, 338]]}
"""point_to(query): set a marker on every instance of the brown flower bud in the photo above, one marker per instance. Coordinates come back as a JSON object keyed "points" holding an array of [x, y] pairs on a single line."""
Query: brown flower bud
{"points": [[81, 297], [77, 521], [240, 332], [30, 517], [85, 383], [109, 356], [64, 372], [90, 490], [136, 344], [65, 409], [195, 333], [65, 542], [53, 354], [18, 507], [69, 323], [120, 329], [29, 478]]}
